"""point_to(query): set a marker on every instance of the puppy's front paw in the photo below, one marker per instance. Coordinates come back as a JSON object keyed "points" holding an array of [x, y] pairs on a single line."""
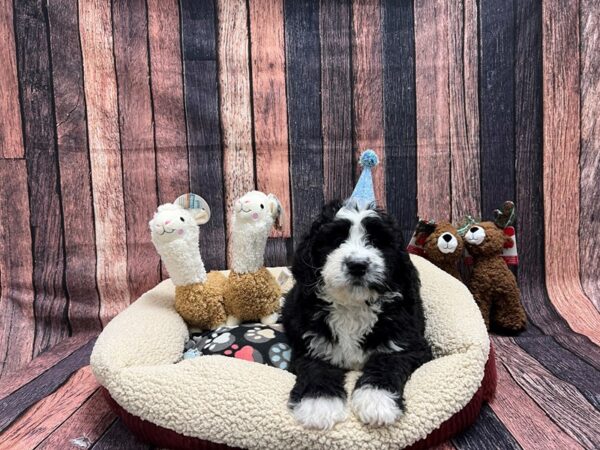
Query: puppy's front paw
{"points": [[320, 413], [376, 407]]}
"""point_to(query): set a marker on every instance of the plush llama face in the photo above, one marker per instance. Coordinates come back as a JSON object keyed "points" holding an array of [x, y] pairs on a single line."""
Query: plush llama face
{"points": [[485, 239], [257, 208], [172, 222], [443, 244]]}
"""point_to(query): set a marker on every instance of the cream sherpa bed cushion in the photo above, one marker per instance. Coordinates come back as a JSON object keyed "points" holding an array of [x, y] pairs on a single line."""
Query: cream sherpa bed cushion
{"points": [[137, 358]]}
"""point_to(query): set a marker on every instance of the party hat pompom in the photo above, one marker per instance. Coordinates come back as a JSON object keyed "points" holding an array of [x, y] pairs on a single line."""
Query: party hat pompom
{"points": [[368, 158]]}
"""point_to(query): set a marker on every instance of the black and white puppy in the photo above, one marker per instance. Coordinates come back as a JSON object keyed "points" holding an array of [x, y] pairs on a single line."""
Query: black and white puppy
{"points": [[356, 305]]}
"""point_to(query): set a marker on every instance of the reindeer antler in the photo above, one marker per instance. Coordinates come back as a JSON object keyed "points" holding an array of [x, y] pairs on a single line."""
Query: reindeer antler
{"points": [[465, 224], [506, 215], [425, 226]]}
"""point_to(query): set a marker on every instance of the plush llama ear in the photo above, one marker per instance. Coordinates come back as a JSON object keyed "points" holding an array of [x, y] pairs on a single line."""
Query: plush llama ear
{"points": [[276, 210], [196, 205]]}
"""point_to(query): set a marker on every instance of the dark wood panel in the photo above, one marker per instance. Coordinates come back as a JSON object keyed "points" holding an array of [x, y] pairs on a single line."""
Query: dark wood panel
{"points": [[487, 432], [202, 116], [400, 112], [36, 424], [561, 165], [130, 28], [304, 111], [118, 437], [463, 65], [433, 130], [496, 100], [234, 105], [589, 159], [278, 252], [16, 268], [74, 165], [367, 88], [166, 76], [336, 99], [95, 30], [42, 386], [11, 134], [33, 60], [269, 103], [84, 427]]}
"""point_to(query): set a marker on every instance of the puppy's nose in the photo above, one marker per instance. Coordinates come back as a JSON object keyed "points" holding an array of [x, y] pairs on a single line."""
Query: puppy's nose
{"points": [[357, 268], [447, 237], [474, 229]]}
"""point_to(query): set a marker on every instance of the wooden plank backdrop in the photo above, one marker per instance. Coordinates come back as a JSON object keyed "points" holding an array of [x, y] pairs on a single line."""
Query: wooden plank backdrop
{"points": [[111, 107]]}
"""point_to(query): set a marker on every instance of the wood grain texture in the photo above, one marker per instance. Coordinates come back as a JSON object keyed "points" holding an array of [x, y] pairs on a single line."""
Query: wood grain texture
{"points": [[561, 401], [36, 424], [487, 432], [400, 113], [15, 379], [235, 105], [104, 146], [526, 421], [202, 117], [589, 160], [269, 101], [15, 404], [118, 437], [463, 98], [16, 268], [433, 131], [11, 133], [496, 101], [367, 89], [304, 112], [130, 28], [74, 166], [561, 166], [85, 425], [336, 98], [166, 76], [33, 61]]}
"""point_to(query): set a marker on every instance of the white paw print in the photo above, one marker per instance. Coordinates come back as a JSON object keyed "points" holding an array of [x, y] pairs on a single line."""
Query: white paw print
{"points": [[259, 334]]}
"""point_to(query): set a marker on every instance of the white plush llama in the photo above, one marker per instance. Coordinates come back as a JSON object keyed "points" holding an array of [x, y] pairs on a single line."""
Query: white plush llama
{"points": [[175, 234], [251, 292]]}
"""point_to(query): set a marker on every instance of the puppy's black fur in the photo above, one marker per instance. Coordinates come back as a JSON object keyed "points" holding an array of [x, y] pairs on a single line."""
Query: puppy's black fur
{"points": [[399, 320]]}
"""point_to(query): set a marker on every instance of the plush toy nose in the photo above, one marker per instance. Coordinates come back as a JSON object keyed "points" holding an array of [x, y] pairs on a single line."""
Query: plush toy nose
{"points": [[447, 237], [474, 229], [357, 268]]}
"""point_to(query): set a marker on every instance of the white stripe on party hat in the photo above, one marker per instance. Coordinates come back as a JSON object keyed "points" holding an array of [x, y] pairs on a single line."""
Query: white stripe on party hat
{"points": [[363, 195]]}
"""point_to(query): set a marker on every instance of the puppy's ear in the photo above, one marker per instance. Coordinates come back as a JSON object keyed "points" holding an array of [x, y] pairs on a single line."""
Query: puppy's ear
{"points": [[303, 268]]}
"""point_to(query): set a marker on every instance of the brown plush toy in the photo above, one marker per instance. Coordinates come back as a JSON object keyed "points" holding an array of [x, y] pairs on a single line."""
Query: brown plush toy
{"points": [[492, 284], [439, 243]]}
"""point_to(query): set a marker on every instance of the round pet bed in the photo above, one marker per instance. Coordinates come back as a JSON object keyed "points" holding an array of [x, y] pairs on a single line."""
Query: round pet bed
{"points": [[222, 402]]}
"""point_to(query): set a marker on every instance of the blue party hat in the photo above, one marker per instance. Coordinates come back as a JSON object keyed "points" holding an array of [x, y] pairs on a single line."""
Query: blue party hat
{"points": [[363, 194]]}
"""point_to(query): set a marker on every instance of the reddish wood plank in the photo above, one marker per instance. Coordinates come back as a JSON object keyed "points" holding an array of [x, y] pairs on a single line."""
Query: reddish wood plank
{"points": [[561, 166], [589, 159], [336, 98], [270, 104], [11, 133], [526, 421], [45, 416], [34, 68], [235, 109], [433, 133], [367, 93], [166, 78], [137, 143], [84, 427], [74, 165], [17, 378], [464, 108], [561, 401], [16, 267], [103, 133]]}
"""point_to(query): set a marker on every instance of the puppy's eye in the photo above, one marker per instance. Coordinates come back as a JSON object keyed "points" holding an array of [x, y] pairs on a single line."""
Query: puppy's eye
{"points": [[262, 206], [182, 219]]}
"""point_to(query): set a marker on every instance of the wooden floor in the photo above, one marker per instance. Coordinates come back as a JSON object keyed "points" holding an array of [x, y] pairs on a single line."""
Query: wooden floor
{"points": [[547, 398]]}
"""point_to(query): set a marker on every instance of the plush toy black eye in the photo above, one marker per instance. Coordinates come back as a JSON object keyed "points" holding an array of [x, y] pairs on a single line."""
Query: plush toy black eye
{"points": [[182, 219], [262, 206]]}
